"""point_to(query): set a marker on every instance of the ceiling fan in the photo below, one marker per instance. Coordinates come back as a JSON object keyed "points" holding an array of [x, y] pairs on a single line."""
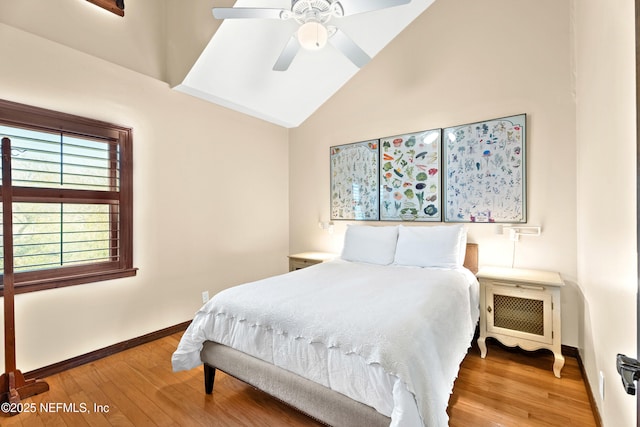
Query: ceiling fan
{"points": [[313, 17]]}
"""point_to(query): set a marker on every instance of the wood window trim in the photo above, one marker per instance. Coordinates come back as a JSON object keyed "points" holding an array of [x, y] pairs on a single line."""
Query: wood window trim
{"points": [[25, 116], [113, 6], [39, 284]]}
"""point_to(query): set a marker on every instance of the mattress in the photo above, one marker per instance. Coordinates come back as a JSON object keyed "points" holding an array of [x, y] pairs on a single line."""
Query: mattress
{"points": [[391, 337]]}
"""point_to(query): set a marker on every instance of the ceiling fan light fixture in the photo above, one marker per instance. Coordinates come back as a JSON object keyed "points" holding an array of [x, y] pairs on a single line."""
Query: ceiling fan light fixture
{"points": [[312, 35]]}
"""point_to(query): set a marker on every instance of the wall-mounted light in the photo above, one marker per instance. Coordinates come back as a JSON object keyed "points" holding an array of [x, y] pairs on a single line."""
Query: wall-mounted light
{"points": [[515, 231], [326, 226]]}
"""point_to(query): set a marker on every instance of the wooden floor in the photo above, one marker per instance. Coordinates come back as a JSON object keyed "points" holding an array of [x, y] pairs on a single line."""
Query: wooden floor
{"points": [[138, 388]]}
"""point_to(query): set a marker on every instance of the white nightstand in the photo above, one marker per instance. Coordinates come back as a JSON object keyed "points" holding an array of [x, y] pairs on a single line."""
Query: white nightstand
{"points": [[521, 308], [306, 259]]}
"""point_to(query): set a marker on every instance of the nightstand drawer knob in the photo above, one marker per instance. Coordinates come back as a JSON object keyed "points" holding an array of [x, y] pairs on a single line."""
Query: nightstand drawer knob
{"points": [[489, 308]]}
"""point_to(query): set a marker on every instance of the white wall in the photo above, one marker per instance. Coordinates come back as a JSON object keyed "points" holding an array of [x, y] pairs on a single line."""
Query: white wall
{"points": [[190, 26], [606, 152], [136, 41], [463, 61], [158, 38], [210, 199]]}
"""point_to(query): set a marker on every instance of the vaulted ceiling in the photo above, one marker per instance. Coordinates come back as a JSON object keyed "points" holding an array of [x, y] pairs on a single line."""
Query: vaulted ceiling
{"points": [[229, 63], [236, 67]]}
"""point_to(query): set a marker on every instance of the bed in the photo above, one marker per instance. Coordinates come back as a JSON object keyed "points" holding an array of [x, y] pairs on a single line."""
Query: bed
{"points": [[375, 337]]}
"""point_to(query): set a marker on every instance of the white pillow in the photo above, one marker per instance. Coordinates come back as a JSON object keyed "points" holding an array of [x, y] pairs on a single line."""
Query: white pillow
{"points": [[375, 245], [435, 246]]}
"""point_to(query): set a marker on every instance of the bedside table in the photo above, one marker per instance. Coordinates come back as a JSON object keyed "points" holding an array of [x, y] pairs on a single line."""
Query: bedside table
{"points": [[306, 259], [521, 308]]}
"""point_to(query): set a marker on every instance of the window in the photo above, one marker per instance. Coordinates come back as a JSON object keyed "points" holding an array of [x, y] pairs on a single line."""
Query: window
{"points": [[66, 196], [115, 6]]}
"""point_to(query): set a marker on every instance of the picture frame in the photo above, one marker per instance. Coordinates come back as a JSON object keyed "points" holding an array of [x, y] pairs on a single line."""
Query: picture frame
{"points": [[410, 177], [354, 181], [485, 171]]}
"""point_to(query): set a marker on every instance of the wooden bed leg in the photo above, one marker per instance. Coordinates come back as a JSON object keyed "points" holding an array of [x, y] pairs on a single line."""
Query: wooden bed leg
{"points": [[209, 376]]}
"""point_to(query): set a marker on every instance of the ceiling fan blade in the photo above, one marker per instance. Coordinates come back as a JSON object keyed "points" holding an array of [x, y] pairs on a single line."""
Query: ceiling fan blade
{"points": [[352, 7], [344, 44], [247, 12], [288, 53]]}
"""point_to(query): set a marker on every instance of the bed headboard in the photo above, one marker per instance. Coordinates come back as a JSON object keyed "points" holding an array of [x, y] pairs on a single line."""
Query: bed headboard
{"points": [[471, 257]]}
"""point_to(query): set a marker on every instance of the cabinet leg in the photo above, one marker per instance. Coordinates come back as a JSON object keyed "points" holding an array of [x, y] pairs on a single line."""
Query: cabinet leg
{"points": [[483, 347], [558, 363]]}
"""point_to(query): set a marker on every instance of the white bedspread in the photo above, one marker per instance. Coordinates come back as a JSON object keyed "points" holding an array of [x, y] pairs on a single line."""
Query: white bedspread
{"points": [[408, 327]]}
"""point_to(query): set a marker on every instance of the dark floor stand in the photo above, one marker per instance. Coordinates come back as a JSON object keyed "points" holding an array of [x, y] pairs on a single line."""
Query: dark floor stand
{"points": [[13, 385]]}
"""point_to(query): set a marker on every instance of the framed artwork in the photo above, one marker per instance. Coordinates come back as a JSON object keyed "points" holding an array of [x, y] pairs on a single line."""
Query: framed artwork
{"points": [[485, 171], [410, 177], [354, 181]]}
